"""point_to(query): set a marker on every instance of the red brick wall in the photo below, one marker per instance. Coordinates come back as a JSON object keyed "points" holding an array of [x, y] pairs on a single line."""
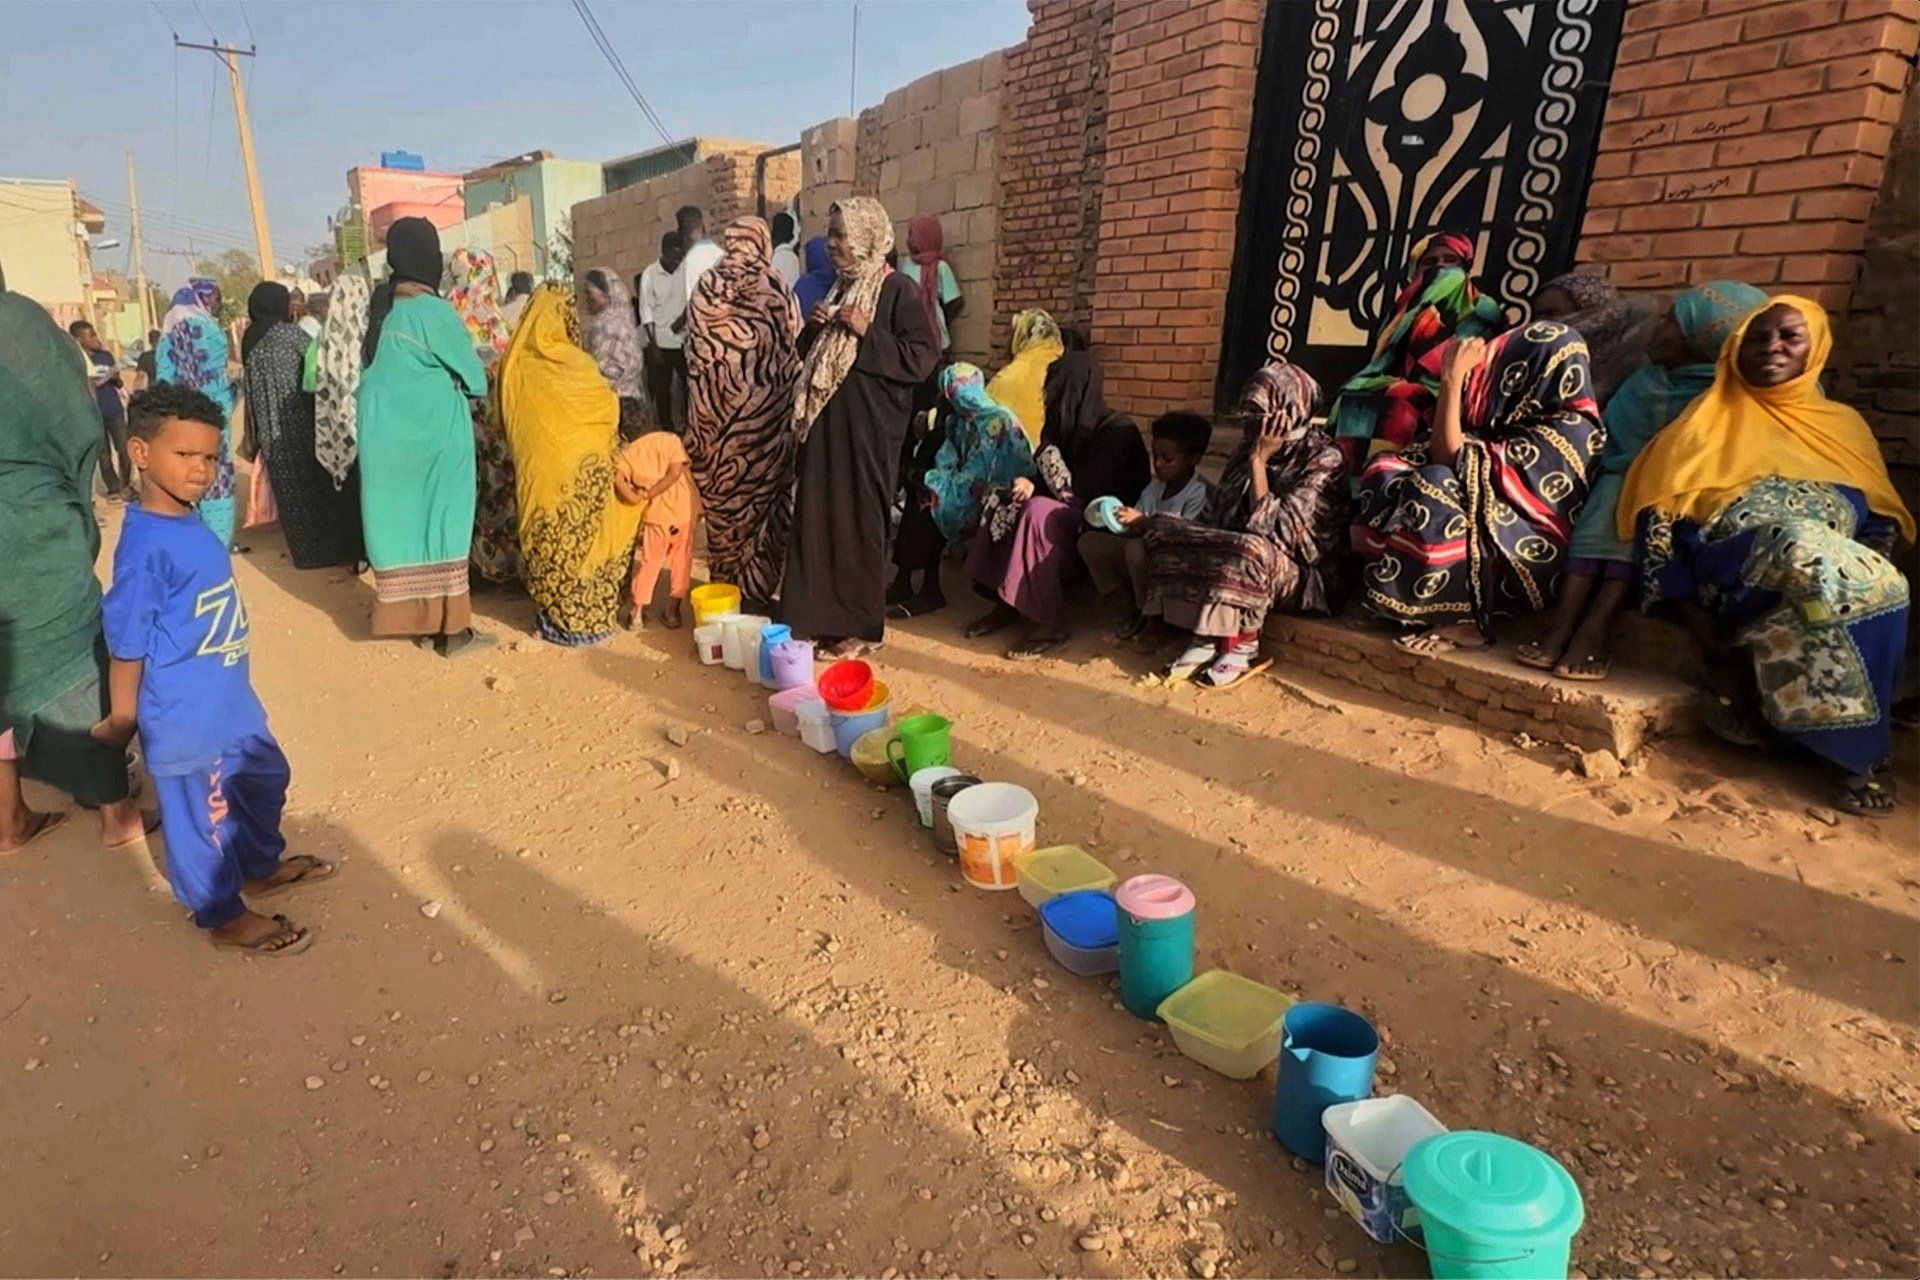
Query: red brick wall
{"points": [[1179, 104], [1051, 139], [1746, 139]]}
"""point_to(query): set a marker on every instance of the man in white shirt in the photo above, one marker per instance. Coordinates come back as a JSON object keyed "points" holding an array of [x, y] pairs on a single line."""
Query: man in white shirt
{"points": [[663, 304], [702, 253], [786, 238]]}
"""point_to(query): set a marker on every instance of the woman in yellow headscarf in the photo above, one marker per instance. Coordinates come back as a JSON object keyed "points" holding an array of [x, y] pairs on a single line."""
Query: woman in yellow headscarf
{"points": [[562, 421], [1764, 515], [1021, 387]]}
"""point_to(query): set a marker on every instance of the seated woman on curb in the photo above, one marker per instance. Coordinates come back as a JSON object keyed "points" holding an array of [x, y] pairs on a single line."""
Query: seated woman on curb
{"points": [[1764, 516], [1472, 524], [1029, 532], [1270, 536], [1680, 358]]}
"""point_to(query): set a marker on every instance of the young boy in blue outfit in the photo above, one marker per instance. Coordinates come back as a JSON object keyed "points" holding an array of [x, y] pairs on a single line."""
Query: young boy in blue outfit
{"points": [[177, 634]]}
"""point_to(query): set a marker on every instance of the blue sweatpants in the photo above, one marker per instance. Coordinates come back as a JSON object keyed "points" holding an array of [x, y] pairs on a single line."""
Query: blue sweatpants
{"points": [[223, 827]]}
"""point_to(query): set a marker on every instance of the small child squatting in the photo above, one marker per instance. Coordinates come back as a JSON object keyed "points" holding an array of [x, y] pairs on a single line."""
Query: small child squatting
{"points": [[177, 634], [653, 469]]}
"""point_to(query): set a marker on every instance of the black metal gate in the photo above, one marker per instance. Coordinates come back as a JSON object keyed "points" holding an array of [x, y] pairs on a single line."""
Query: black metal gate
{"points": [[1376, 122]]}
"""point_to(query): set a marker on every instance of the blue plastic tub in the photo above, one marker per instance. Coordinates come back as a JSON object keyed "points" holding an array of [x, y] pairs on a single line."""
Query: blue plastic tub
{"points": [[1083, 931]]}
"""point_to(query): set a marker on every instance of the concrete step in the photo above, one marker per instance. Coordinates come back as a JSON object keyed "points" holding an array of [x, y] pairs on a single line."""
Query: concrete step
{"points": [[1642, 699]]}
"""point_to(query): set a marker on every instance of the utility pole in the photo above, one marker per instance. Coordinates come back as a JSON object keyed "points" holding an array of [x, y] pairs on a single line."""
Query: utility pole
{"points": [[230, 54], [139, 263]]}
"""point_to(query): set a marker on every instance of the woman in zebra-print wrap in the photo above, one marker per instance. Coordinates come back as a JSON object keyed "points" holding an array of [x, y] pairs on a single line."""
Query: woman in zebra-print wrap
{"points": [[741, 369]]}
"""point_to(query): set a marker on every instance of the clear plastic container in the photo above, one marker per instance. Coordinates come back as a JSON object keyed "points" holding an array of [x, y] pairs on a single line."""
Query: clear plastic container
{"points": [[1047, 873], [1229, 1023], [816, 725]]}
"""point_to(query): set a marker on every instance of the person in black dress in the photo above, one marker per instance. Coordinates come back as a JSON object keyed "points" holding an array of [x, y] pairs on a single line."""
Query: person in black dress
{"points": [[866, 347]]}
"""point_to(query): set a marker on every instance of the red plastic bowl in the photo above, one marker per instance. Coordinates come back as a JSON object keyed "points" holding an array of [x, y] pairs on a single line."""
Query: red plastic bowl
{"points": [[846, 685]]}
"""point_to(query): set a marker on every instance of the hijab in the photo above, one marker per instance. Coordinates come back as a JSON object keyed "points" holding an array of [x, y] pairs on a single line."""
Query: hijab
{"points": [[336, 382], [1655, 395], [1021, 386], [194, 298], [267, 306], [413, 256], [869, 235], [1278, 394], [1736, 433], [1616, 330], [924, 242], [810, 290], [613, 336], [473, 288]]}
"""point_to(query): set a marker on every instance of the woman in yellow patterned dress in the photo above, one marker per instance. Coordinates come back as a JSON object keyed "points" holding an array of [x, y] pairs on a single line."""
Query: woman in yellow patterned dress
{"points": [[562, 419]]}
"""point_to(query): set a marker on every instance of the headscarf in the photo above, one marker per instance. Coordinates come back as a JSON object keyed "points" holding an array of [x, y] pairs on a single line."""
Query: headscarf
{"points": [[1655, 395], [473, 287], [50, 437], [266, 307], [197, 293], [1389, 403], [1616, 329], [1103, 449], [613, 336], [1021, 386], [810, 290], [1736, 434], [337, 365], [869, 233], [984, 450], [413, 255], [924, 241], [1278, 393]]}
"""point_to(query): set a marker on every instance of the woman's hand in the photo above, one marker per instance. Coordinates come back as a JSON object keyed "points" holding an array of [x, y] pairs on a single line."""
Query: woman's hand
{"points": [[115, 733], [820, 315], [1463, 357], [1272, 435], [1023, 489], [856, 320]]}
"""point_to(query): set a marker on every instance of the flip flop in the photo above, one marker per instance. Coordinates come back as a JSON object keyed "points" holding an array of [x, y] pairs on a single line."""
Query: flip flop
{"points": [[149, 823], [1208, 686], [1532, 655], [48, 822], [1028, 650], [1854, 788], [302, 939], [1564, 672], [311, 870]]}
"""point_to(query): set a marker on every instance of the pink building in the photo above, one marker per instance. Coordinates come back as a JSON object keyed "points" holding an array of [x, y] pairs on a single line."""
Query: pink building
{"points": [[386, 195]]}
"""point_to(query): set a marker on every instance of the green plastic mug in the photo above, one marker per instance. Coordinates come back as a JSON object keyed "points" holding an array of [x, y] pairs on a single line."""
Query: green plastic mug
{"points": [[919, 742]]}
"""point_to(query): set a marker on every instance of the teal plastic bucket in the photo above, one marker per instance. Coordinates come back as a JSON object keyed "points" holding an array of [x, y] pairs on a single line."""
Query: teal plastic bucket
{"points": [[1156, 941], [1492, 1208]]}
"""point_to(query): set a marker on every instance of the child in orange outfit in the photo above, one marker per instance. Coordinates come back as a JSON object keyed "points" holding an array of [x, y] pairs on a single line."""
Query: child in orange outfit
{"points": [[653, 469]]}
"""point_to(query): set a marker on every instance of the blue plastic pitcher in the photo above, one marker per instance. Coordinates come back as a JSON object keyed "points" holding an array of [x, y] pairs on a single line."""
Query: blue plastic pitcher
{"points": [[770, 635], [1492, 1207], [1326, 1057]]}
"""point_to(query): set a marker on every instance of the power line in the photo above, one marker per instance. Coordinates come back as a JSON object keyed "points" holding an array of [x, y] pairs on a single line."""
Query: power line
{"points": [[249, 21], [163, 19], [205, 23], [620, 68]]}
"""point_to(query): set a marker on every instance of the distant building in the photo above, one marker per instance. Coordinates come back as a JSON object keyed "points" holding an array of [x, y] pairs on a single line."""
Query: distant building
{"points": [[632, 170], [44, 225], [551, 184], [381, 196]]}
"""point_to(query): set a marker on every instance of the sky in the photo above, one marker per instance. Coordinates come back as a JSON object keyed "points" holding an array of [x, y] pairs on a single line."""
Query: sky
{"points": [[459, 82]]}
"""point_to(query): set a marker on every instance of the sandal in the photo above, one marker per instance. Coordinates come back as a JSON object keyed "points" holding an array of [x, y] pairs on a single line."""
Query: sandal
{"points": [[1531, 654], [1033, 647], [1592, 669], [918, 606], [48, 822], [307, 870], [289, 939], [1432, 643], [1864, 796], [149, 823], [1731, 720], [1190, 661], [999, 618]]}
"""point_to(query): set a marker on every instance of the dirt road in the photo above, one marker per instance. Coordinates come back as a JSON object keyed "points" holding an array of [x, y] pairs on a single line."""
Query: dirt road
{"points": [[584, 1002]]}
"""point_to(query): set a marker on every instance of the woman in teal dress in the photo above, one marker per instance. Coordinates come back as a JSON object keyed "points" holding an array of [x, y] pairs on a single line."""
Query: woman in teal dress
{"points": [[416, 448], [193, 353]]}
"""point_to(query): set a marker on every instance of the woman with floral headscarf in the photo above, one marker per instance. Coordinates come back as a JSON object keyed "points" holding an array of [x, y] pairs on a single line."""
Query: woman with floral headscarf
{"points": [[1390, 402], [865, 348], [193, 353], [473, 290], [1271, 537], [741, 366], [613, 339]]}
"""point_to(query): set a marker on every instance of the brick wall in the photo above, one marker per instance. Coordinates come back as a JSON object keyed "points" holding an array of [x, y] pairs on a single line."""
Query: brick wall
{"points": [[1747, 139], [1052, 137], [1876, 358], [621, 232], [1179, 104]]}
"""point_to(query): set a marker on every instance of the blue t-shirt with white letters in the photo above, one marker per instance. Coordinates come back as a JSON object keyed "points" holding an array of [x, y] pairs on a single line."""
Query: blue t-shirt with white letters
{"points": [[174, 605]]}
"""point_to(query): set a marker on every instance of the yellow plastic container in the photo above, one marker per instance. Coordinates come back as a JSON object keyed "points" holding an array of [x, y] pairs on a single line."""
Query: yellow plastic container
{"points": [[878, 698], [712, 600], [869, 756], [1229, 1023], [1045, 874]]}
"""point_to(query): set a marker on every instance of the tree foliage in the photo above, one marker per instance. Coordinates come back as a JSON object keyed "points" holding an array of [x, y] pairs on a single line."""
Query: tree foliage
{"points": [[236, 272]]}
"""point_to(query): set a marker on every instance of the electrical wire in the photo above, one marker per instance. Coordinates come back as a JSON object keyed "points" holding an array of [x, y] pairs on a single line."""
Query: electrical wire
{"points": [[620, 68], [249, 21], [163, 19], [203, 20]]}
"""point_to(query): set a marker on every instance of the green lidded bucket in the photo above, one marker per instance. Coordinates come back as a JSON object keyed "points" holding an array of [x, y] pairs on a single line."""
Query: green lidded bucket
{"points": [[1492, 1208]]}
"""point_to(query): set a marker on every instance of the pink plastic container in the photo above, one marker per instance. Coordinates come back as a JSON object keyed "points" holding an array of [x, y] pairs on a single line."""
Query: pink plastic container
{"points": [[784, 707], [1154, 897]]}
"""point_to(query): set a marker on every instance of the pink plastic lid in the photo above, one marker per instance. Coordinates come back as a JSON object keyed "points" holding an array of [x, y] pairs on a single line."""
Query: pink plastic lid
{"points": [[1154, 897]]}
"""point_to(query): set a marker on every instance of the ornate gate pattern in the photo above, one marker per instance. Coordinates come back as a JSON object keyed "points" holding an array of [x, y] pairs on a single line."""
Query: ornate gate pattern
{"points": [[1377, 122]]}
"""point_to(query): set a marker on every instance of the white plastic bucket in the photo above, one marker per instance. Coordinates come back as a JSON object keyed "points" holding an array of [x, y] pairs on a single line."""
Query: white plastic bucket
{"points": [[816, 724], [741, 645], [1367, 1142], [709, 642], [991, 823], [921, 784]]}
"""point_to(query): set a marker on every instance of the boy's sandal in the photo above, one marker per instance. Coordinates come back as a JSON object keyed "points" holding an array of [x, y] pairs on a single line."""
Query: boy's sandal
{"points": [[289, 939], [48, 822], [307, 869]]}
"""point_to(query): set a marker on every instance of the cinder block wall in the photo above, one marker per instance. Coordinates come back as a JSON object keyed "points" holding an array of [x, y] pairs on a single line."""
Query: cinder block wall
{"points": [[621, 232]]}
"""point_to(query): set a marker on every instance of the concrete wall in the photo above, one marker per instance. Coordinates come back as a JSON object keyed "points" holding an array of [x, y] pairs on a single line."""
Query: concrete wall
{"points": [[38, 248], [621, 231], [553, 186]]}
